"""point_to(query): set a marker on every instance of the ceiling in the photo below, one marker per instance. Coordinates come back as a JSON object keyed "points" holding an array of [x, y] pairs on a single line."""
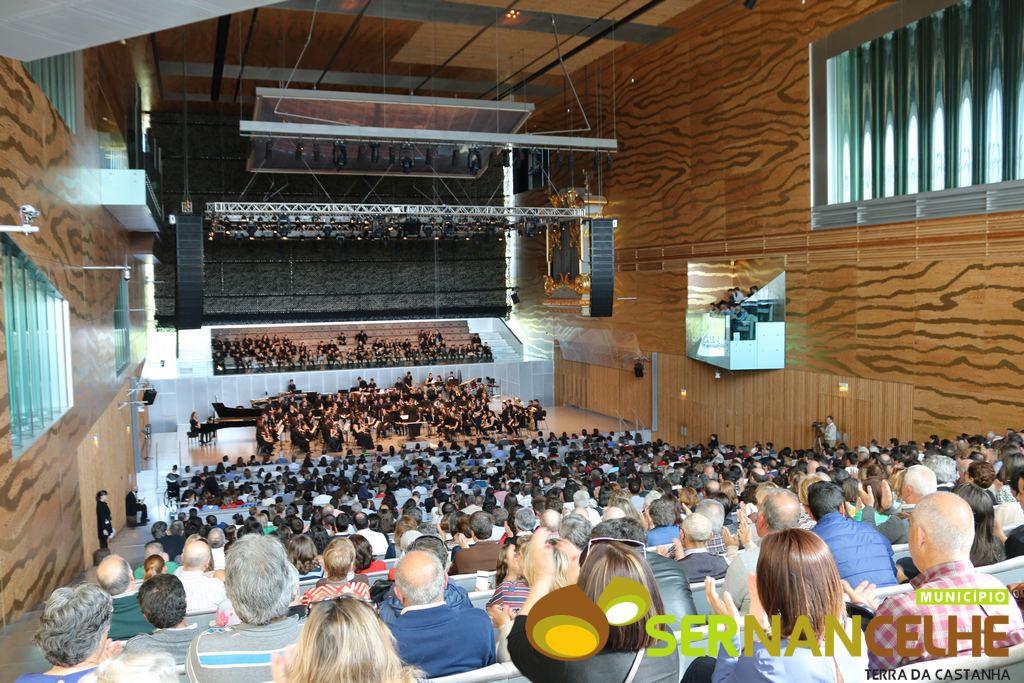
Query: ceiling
{"points": [[460, 48], [32, 29]]}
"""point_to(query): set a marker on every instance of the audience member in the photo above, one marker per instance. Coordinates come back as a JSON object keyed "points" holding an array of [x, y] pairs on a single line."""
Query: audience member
{"points": [[427, 620], [664, 518], [338, 560], [860, 551], [152, 667], [155, 548], [455, 596], [796, 579], [692, 550], [779, 510], [918, 482], [261, 585], [203, 592], [163, 602], [483, 554], [114, 576], [343, 641], [73, 634], [941, 537], [624, 654], [987, 548]]}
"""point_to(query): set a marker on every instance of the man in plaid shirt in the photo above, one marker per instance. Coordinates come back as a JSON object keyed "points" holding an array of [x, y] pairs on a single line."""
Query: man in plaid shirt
{"points": [[941, 534]]}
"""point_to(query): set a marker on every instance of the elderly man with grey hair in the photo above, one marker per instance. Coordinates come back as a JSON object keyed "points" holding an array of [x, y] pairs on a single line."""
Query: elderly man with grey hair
{"points": [[431, 635], [261, 584], [692, 551], [455, 596], [918, 482], [73, 633], [526, 521], [941, 535], [779, 510], [576, 530], [944, 469], [581, 506], [715, 512], [114, 575]]}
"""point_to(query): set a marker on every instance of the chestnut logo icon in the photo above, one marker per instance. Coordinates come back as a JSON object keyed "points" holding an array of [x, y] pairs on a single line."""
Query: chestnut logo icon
{"points": [[567, 625]]}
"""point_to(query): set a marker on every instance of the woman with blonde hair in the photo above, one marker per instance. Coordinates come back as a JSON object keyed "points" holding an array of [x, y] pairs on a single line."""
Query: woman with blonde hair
{"points": [[806, 521], [368, 654]]}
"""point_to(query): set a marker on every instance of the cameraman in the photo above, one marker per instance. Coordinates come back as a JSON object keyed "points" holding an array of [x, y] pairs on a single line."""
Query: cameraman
{"points": [[831, 433]]}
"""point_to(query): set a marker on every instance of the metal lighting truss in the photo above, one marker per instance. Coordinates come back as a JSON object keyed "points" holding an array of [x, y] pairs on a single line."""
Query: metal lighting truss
{"points": [[237, 211]]}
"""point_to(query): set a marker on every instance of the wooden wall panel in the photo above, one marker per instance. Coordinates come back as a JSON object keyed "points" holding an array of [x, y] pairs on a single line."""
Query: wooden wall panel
{"points": [[714, 132], [616, 392], [43, 502], [775, 405]]}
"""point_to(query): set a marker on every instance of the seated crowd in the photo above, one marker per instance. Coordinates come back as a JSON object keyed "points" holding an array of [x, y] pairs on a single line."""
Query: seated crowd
{"points": [[275, 353], [295, 588]]}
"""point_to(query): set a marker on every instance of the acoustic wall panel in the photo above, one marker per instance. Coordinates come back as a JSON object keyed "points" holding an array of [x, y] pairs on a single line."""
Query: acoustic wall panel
{"points": [[189, 295]]}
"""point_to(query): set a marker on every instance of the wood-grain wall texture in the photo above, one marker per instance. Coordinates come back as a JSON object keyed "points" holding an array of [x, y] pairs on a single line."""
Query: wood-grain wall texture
{"points": [[616, 392], [714, 132], [47, 519]]}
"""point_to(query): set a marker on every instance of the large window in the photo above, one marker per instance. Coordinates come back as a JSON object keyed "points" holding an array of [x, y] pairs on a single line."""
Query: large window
{"points": [[122, 336], [38, 340], [58, 78], [936, 104]]}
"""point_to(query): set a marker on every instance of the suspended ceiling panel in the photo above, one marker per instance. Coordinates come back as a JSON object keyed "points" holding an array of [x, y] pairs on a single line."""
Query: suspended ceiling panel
{"points": [[605, 9], [509, 53], [33, 29]]}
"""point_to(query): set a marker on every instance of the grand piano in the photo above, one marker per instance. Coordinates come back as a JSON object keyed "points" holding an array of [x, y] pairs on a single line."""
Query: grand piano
{"points": [[229, 418]]}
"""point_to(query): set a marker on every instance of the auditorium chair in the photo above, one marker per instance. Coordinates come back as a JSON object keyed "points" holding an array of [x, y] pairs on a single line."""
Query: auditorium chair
{"points": [[468, 581], [1007, 571], [700, 598], [480, 598], [494, 672], [939, 669], [202, 620]]}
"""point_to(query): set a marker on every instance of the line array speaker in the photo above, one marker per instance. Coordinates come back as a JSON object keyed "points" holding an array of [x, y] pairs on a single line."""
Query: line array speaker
{"points": [[602, 267], [189, 293]]}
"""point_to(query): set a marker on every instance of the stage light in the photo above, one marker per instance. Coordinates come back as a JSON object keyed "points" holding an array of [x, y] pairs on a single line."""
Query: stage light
{"points": [[316, 150], [298, 150], [455, 156], [429, 156], [374, 152], [506, 159], [268, 150], [391, 155], [340, 154]]}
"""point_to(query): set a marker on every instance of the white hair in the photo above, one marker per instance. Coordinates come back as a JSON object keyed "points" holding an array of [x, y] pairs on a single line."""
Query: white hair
{"points": [[921, 480], [697, 528], [157, 667], [714, 511]]}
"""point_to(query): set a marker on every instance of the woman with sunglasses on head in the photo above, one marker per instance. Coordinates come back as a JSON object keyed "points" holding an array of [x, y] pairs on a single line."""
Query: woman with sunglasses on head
{"points": [[796, 577], [623, 659]]}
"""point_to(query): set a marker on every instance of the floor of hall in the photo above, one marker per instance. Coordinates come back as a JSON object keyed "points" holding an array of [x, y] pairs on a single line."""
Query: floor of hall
{"points": [[165, 450]]}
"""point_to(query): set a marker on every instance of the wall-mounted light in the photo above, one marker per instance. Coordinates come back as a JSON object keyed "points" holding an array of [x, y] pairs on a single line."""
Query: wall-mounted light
{"points": [[682, 393], [26, 213], [844, 388]]}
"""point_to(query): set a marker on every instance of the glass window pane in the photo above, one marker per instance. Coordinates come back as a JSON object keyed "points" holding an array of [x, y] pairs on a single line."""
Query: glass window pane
{"points": [[36, 333]]}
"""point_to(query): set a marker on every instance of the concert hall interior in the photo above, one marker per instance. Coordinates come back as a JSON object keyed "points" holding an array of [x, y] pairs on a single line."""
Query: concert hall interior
{"points": [[323, 293]]}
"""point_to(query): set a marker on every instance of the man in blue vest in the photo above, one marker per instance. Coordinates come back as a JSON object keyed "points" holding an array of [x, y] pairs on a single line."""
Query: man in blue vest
{"points": [[860, 551]]}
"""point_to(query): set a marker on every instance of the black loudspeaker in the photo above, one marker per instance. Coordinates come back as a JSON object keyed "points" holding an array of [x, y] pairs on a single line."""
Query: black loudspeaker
{"points": [[638, 369], [189, 295], [515, 297], [602, 267], [148, 396]]}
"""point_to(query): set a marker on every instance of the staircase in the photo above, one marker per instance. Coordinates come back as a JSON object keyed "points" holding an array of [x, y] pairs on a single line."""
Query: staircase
{"points": [[502, 350]]}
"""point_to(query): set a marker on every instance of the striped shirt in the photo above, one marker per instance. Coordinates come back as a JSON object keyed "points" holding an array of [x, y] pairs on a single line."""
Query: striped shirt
{"points": [[329, 591], [511, 593], [239, 653], [951, 575]]}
